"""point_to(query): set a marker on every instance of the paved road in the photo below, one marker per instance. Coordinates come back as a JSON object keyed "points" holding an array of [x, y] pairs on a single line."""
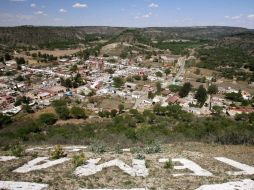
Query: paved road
{"points": [[181, 70]]}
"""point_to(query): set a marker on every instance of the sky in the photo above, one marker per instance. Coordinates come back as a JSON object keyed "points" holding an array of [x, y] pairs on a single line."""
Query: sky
{"points": [[127, 13]]}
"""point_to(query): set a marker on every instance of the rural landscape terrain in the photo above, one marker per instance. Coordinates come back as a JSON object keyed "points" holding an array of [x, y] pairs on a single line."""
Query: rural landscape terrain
{"points": [[125, 108]]}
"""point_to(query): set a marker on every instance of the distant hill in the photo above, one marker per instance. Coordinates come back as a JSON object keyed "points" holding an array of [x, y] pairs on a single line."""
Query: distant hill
{"points": [[31, 35]]}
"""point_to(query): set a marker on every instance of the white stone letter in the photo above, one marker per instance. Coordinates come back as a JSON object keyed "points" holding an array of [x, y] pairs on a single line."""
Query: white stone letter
{"points": [[246, 169], [39, 163], [246, 184], [188, 164], [12, 185], [138, 167], [7, 158]]}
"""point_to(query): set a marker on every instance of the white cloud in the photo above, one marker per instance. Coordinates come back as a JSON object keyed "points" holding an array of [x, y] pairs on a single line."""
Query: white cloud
{"points": [[153, 5], [33, 5], [145, 16], [40, 13], [251, 17], [234, 17], [62, 10], [79, 5]]}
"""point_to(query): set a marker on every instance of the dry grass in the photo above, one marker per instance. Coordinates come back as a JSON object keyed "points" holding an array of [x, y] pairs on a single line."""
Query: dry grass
{"points": [[60, 177]]}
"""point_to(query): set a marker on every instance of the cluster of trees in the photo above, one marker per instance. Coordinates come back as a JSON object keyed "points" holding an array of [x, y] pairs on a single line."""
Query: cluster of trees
{"points": [[137, 78], [161, 124], [118, 82], [74, 82], [63, 111], [44, 57], [178, 48], [227, 60]]}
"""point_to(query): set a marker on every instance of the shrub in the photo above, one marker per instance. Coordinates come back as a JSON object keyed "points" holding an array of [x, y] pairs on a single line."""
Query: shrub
{"points": [[4, 120], [140, 157], [57, 153], [118, 149], [78, 112], [79, 159], [169, 164], [153, 148], [17, 150], [136, 150], [48, 118], [98, 147]]}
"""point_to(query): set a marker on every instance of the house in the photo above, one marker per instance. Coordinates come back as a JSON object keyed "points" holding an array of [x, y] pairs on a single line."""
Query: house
{"points": [[130, 86], [173, 100], [234, 111]]}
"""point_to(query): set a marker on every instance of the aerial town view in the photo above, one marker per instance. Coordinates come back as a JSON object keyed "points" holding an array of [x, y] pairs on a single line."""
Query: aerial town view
{"points": [[127, 95]]}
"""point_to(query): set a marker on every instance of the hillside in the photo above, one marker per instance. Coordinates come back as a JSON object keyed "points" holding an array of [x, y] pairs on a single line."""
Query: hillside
{"points": [[192, 165], [30, 35]]}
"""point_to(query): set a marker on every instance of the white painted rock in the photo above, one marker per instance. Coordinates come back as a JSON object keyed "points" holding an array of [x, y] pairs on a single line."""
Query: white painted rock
{"points": [[138, 167], [67, 148], [187, 164], [7, 158], [245, 184], [39, 164], [12, 185], [245, 169], [117, 189]]}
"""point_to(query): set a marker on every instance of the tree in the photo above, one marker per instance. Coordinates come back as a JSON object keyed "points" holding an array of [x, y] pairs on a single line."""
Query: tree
{"points": [[212, 90], [68, 83], [113, 113], [78, 112], [158, 86], [150, 95], [120, 108], [167, 71], [4, 120], [145, 77], [7, 57], [185, 90], [118, 82], [61, 109], [27, 108], [201, 95], [74, 68], [158, 74], [48, 118], [63, 112], [137, 77], [20, 61]]}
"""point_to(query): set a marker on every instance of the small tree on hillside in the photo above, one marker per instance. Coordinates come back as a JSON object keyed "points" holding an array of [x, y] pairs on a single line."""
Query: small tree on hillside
{"points": [[185, 90], [167, 71], [201, 95], [212, 90]]}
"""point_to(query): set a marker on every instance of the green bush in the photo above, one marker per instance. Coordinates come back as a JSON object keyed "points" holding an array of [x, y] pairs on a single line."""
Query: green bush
{"points": [[79, 159], [169, 164], [140, 157], [57, 153], [98, 147], [17, 150], [118, 149], [48, 118], [153, 148], [4, 120], [78, 112]]}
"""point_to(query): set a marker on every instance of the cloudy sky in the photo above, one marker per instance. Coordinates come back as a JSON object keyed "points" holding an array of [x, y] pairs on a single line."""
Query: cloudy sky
{"points": [[131, 13]]}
